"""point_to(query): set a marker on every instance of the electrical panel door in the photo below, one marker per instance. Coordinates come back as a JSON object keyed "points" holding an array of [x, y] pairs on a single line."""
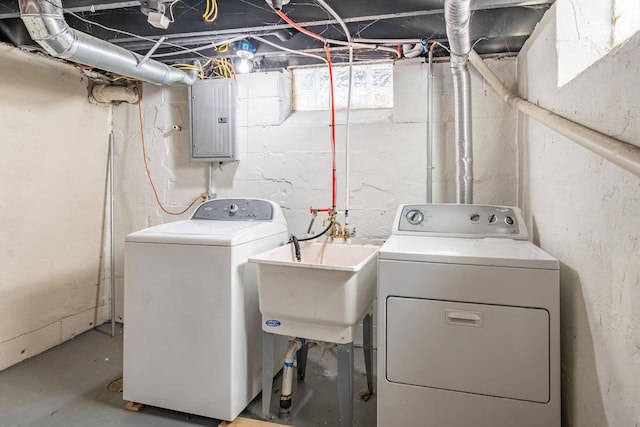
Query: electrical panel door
{"points": [[212, 109]]}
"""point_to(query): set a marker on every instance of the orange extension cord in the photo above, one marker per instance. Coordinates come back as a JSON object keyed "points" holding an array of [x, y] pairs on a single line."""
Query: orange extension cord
{"points": [[146, 166]]}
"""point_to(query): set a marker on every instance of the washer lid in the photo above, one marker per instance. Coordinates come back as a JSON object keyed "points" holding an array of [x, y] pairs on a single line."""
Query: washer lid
{"points": [[488, 251], [206, 232]]}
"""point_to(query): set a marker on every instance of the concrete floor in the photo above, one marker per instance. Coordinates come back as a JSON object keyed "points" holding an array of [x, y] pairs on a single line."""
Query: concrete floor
{"points": [[69, 386]]}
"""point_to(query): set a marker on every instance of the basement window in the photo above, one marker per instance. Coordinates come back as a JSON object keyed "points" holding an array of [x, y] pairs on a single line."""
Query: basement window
{"points": [[372, 87], [587, 30]]}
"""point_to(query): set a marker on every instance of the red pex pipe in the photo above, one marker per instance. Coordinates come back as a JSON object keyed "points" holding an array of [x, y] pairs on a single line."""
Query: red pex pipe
{"points": [[334, 185]]}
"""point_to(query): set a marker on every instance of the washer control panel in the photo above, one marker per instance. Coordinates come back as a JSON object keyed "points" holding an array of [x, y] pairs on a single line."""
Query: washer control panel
{"points": [[235, 210], [461, 220]]}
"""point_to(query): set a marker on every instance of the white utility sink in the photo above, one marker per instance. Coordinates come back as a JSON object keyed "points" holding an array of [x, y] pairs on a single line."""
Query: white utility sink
{"points": [[322, 297]]}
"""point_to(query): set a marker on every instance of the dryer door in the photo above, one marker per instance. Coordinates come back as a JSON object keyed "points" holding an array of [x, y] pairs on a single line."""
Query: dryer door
{"points": [[486, 349]]}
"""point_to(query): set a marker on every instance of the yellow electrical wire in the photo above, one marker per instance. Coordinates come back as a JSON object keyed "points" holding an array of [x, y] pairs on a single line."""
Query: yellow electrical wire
{"points": [[115, 79], [215, 67], [211, 12], [221, 48]]}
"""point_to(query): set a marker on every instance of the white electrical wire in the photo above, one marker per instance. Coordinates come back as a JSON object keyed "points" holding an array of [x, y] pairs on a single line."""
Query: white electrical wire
{"points": [[296, 52], [337, 17], [387, 41], [198, 49], [171, 11]]}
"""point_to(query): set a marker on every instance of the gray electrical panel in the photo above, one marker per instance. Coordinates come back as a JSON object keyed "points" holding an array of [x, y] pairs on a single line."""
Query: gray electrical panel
{"points": [[212, 111]]}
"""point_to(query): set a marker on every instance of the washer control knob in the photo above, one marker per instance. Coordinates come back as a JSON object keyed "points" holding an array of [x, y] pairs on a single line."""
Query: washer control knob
{"points": [[508, 220], [233, 209], [474, 217], [492, 219], [415, 217]]}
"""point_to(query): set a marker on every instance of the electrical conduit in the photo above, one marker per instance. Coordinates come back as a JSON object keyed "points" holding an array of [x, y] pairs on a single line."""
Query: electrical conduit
{"points": [[430, 125]]}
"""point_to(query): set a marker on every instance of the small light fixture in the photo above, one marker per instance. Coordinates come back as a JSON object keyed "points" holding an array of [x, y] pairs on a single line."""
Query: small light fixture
{"points": [[246, 52]]}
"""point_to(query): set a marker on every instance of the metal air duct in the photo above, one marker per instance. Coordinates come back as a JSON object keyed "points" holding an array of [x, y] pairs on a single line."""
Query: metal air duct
{"points": [[457, 14], [46, 25]]}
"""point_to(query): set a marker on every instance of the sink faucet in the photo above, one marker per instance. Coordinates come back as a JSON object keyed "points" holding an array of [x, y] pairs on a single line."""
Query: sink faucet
{"points": [[337, 230]]}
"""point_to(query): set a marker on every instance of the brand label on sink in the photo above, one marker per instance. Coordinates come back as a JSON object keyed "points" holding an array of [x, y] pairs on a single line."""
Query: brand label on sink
{"points": [[273, 323]]}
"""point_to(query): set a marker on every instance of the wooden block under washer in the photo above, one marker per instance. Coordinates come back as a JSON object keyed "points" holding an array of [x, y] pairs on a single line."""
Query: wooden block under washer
{"points": [[247, 422], [133, 406]]}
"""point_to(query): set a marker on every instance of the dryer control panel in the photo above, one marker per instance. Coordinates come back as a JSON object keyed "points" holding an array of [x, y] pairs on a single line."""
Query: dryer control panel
{"points": [[452, 220], [235, 210]]}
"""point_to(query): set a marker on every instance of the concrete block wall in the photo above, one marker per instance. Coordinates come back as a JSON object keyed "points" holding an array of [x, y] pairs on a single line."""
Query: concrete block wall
{"points": [[285, 155], [586, 212], [53, 168]]}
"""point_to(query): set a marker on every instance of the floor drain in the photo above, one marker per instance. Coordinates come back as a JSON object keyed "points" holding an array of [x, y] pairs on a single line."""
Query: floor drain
{"points": [[115, 386]]}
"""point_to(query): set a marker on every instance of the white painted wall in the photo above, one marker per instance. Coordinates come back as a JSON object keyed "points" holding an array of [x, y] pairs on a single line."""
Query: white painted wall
{"points": [[586, 212], [286, 158], [52, 181]]}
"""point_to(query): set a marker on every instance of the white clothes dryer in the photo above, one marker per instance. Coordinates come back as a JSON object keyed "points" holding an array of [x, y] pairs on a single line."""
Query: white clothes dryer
{"points": [[192, 334], [469, 321]]}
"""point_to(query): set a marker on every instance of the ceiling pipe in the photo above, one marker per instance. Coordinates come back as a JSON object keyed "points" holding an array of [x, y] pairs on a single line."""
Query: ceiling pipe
{"points": [[46, 25], [457, 14], [623, 154]]}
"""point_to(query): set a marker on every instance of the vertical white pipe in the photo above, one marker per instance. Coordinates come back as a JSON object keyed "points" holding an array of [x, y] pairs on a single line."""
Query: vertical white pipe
{"points": [[112, 248], [210, 186], [347, 145], [430, 130], [286, 388]]}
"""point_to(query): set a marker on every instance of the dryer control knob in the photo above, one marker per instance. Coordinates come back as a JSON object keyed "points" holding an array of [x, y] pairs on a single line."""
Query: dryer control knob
{"points": [[233, 209], [415, 217]]}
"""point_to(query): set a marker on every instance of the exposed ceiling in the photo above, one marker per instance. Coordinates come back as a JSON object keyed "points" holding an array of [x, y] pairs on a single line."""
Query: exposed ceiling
{"points": [[498, 26]]}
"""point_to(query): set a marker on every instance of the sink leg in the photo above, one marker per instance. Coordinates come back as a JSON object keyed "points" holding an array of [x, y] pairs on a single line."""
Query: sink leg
{"points": [[367, 341], [301, 357], [345, 383], [267, 373]]}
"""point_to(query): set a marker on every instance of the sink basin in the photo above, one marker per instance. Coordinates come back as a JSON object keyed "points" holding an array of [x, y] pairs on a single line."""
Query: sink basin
{"points": [[321, 298]]}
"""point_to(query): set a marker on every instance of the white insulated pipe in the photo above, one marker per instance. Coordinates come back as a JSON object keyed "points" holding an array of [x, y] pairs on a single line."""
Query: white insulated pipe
{"points": [[620, 153], [112, 237], [430, 126], [457, 15]]}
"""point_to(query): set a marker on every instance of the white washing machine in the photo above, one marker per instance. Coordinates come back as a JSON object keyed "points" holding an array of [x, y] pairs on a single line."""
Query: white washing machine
{"points": [[469, 321], [192, 335]]}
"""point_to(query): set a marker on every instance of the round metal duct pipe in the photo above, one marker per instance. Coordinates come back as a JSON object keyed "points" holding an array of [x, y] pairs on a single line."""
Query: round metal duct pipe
{"points": [[46, 25], [457, 14]]}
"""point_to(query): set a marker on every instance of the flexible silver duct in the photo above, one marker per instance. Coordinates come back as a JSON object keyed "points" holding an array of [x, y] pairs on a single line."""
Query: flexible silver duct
{"points": [[46, 25], [457, 14]]}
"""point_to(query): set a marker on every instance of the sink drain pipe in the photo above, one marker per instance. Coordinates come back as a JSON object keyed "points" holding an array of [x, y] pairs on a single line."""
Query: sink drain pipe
{"points": [[295, 344], [457, 14]]}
